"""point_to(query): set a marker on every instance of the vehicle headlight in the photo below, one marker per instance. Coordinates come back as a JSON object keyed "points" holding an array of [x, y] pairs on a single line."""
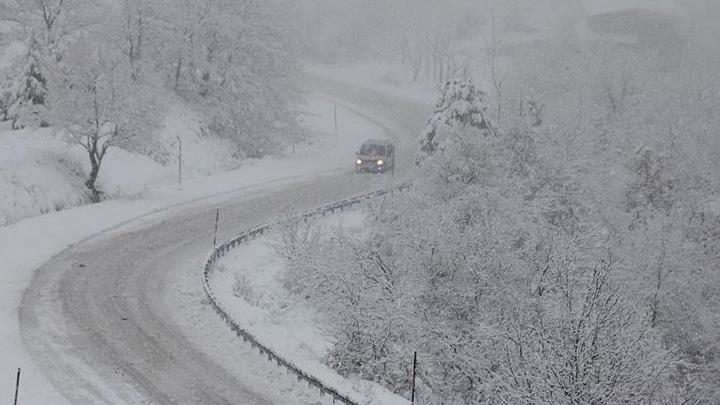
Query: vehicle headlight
{"points": [[359, 161], [380, 162]]}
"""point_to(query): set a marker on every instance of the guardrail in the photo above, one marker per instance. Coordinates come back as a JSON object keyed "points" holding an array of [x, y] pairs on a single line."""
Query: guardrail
{"points": [[223, 249]]}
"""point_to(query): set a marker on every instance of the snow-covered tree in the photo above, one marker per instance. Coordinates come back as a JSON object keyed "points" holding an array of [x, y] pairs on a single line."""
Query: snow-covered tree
{"points": [[5, 97], [460, 106], [580, 341], [29, 93], [233, 59], [47, 27], [494, 251], [136, 27], [41, 15], [97, 105]]}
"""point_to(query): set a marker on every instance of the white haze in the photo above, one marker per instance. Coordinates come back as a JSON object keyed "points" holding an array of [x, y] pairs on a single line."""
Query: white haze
{"points": [[559, 241]]}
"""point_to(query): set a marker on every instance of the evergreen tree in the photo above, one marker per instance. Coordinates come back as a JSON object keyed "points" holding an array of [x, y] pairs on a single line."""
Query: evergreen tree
{"points": [[5, 98], [461, 105], [29, 93]]}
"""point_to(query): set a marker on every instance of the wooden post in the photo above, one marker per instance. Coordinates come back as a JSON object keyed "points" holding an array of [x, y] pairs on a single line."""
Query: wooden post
{"points": [[336, 127], [180, 160], [412, 398], [17, 387], [217, 219]]}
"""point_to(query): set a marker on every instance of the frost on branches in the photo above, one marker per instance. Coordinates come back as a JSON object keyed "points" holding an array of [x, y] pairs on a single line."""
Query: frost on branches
{"points": [[461, 105], [98, 105], [563, 260], [45, 26], [241, 71], [230, 62], [28, 94]]}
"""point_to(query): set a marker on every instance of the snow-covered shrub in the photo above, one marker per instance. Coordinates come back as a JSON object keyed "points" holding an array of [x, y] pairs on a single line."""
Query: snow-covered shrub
{"points": [[37, 175], [242, 289], [361, 294], [579, 341]]}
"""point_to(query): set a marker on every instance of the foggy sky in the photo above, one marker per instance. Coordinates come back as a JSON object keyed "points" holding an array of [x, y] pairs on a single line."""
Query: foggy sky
{"points": [[603, 6]]}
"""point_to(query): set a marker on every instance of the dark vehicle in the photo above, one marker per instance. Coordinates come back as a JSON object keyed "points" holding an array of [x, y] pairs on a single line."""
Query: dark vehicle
{"points": [[375, 156]]}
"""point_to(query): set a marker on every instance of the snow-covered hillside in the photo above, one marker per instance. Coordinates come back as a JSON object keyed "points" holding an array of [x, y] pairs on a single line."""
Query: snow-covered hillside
{"points": [[38, 174], [41, 173]]}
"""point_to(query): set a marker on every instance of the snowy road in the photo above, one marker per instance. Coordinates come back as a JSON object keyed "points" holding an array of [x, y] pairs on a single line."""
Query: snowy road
{"points": [[121, 317]]}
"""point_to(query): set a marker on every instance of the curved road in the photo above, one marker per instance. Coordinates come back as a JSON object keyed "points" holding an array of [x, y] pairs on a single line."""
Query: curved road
{"points": [[121, 317]]}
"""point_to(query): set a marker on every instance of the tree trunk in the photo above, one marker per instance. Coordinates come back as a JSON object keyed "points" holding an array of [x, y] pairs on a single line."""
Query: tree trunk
{"points": [[90, 184], [95, 161], [178, 69]]}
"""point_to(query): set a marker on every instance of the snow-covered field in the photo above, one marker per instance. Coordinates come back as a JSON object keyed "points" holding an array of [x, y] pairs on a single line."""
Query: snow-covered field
{"points": [[29, 243], [249, 282]]}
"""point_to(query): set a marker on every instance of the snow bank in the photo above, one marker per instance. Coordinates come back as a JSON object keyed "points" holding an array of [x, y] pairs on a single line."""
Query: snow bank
{"points": [[38, 174]]}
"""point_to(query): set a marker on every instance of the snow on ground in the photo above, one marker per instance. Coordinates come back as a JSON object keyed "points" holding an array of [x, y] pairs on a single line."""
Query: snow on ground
{"points": [[40, 173], [386, 78], [11, 53], [248, 281], [27, 244]]}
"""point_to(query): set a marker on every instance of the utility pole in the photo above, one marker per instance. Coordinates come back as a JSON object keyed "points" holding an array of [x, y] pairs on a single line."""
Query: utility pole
{"points": [[180, 159], [17, 387]]}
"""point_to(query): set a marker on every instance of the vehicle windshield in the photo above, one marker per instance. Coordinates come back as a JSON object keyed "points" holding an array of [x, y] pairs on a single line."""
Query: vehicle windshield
{"points": [[371, 150]]}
